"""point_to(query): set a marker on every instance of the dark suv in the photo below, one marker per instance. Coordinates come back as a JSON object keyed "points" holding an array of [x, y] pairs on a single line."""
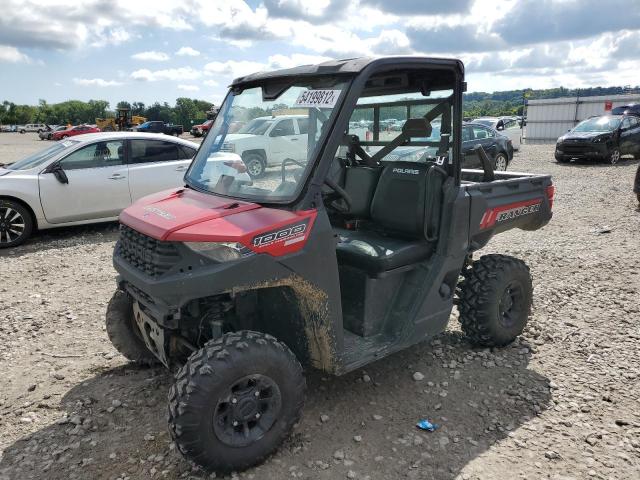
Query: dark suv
{"points": [[631, 108], [606, 137]]}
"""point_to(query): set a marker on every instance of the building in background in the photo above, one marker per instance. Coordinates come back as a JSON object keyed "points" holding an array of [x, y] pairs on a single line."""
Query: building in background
{"points": [[547, 119]]}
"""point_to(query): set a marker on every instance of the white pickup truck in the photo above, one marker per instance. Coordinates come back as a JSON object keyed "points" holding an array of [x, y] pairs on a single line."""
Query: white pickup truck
{"points": [[32, 127], [267, 141]]}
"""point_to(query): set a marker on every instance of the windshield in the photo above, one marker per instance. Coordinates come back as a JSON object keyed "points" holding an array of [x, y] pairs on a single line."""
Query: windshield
{"points": [[488, 123], [273, 161], [41, 157], [145, 124], [599, 124], [257, 126]]}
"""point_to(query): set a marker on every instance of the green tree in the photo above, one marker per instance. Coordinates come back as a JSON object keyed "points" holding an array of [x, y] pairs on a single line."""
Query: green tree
{"points": [[137, 108]]}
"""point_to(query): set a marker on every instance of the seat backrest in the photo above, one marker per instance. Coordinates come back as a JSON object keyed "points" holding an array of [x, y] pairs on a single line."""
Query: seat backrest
{"points": [[402, 196], [360, 183]]}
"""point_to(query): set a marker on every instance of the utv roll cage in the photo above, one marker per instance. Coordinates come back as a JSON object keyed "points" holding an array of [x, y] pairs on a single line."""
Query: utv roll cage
{"points": [[373, 77]]}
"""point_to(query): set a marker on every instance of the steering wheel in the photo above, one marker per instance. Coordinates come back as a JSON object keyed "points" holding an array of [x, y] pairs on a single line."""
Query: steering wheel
{"points": [[341, 194], [287, 161]]}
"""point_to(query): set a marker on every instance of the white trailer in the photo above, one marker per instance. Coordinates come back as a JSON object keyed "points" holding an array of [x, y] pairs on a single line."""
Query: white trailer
{"points": [[547, 119]]}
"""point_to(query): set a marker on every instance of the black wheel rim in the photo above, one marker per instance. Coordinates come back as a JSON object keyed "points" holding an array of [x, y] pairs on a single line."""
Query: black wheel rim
{"points": [[12, 225], [248, 411], [511, 302]]}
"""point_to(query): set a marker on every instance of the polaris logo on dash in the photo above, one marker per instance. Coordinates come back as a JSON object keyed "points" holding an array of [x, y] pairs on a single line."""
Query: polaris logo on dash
{"points": [[410, 171]]}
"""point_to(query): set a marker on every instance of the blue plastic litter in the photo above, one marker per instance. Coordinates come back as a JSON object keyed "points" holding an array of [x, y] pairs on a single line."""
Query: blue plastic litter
{"points": [[425, 424]]}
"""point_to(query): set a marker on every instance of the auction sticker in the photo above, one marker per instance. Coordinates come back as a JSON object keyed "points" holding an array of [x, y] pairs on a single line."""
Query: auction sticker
{"points": [[318, 98]]}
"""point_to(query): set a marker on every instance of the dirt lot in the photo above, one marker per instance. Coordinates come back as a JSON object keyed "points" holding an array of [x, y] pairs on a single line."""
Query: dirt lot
{"points": [[561, 403]]}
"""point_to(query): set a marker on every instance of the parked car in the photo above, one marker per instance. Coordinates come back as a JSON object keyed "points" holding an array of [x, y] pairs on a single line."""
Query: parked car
{"points": [[51, 129], [8, 128], [605, 137], [160, 127], [73, 131], [89, 179], [273, 138], [32, 127], [632, 109], [202, 129], [497, 147], [507, 126]]}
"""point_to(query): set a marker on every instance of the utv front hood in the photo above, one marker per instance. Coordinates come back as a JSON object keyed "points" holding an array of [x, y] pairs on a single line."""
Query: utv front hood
{"points": [[185, 215], [161, 214]]}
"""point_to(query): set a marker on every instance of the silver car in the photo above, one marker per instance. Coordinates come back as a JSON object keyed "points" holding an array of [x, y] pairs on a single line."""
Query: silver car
{"points": [[87, 179]]}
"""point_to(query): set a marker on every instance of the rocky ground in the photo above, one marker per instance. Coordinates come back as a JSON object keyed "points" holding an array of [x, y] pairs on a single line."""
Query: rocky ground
{"points": [[560, 403]]}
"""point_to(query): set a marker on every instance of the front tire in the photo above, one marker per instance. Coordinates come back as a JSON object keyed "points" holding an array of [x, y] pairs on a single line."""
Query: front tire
{"points": [[16, 224], [614, 156], [495, 300], [123, 331], [255, 164], [235, 401]]}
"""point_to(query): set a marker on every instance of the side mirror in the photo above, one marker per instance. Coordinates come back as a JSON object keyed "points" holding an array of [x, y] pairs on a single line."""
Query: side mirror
{"points": [[500, 128], [58, 172]]}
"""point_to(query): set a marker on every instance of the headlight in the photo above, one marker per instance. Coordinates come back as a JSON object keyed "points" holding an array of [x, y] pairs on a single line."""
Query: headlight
{"points": [[220, 251], [602, 139]]}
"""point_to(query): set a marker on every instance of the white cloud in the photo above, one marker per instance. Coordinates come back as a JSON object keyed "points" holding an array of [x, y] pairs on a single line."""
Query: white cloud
{"points": [[96, 82], [151, 56], [114, 36], [210, 83], [188, 52], [188, 88], [176, 74], [284, 61], [234, 68], [12, 55]]}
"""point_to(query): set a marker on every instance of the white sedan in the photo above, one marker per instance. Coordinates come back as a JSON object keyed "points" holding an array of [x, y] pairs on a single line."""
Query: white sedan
{"points": [[87, 179]]}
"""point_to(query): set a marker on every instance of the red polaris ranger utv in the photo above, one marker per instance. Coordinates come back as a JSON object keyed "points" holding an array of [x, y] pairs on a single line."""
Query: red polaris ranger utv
{"points": [[349, 247]]}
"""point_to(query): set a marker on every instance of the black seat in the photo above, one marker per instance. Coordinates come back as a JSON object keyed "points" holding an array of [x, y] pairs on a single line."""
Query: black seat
{"points": [[402, 195], [374, 252]]}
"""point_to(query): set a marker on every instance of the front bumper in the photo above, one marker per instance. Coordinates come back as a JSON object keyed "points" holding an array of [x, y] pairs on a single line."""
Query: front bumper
{"points": [[191, 278], [582, 151]]}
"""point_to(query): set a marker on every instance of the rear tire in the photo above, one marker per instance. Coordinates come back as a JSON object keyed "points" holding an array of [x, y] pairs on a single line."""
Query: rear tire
{"points": [[235, 401], [16, 224], [501, 163], [495, 300], [123, 330]]}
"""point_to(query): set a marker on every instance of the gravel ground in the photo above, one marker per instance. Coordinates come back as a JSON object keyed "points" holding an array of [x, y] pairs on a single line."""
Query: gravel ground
{"points": [[560, 403]]}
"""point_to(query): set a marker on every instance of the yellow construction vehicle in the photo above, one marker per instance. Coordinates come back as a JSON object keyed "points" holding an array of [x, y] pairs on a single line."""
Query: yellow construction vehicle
{"points": [[122, 122], [107, 124]]}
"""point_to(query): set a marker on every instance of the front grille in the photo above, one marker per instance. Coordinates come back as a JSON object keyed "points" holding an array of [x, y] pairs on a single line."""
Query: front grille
{"points": [[577, 148], [151, 256]]}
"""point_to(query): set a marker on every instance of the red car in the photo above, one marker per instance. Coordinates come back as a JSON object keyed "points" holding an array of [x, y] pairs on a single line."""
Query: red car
{"points": [[200, 130], [70, 132]]}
